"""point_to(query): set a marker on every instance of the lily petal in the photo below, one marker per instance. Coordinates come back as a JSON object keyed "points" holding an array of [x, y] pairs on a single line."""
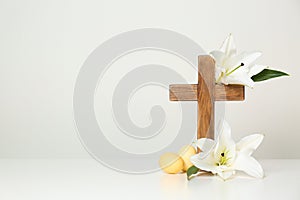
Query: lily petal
{"points": [[255, 69], [205, 144], [225, 143], [206, 164], [249, 143], [203, 155], [228, 46], [248, 165], [247, 58], [226, 174], [251, 57], [240, 77], [218, 56], [225, 131]]}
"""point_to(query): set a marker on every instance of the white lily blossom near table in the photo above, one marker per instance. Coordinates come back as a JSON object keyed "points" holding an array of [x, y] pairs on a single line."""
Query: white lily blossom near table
{"points": [[223, 156]]}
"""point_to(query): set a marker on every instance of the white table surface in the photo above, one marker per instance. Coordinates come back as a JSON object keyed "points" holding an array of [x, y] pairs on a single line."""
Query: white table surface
{"points": [[42, 179]]}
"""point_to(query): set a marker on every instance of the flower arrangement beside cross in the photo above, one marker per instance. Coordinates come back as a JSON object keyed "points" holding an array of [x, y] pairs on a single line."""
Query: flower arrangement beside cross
{"points": [[221, 77]]}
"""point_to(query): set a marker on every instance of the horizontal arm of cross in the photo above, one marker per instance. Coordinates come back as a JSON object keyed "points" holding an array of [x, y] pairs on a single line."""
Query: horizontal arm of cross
{"points": [[188, 92]]}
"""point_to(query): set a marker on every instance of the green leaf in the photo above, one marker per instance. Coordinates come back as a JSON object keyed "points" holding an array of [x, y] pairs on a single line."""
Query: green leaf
{"points": [[191, 171], [267, 74]]}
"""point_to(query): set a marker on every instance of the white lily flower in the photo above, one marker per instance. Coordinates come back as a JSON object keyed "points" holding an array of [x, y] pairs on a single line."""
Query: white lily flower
{"points": [[223, 156], [233, 68]]}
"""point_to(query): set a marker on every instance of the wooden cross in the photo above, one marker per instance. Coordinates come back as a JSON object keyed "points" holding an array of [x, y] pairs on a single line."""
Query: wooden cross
{"points": [[206, 92]]}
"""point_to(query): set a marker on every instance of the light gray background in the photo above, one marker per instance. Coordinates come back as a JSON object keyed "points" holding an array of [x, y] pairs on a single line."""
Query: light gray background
{"points": [[44, 43]]}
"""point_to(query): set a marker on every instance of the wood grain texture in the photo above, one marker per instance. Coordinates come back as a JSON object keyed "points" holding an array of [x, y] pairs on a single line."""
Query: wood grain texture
{"points": [[206, 97], [206, 92], [229, 93], [188, 92], [183, 92]]}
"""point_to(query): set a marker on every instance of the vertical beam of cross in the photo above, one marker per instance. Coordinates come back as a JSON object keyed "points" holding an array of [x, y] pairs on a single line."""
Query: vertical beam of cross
{"points": [[206, 97]]}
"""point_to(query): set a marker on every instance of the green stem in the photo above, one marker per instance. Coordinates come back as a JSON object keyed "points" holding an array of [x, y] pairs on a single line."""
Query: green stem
{"points": [[220, 77], [227, 74]]}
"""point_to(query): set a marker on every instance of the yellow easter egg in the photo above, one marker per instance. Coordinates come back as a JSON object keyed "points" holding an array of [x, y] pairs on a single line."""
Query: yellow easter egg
{"points": [[185, 153], [171, 163]]}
